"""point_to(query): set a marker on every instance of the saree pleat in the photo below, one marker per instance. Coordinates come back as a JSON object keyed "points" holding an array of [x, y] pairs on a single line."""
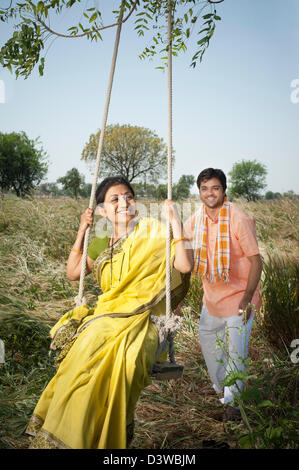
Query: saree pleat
{"points": [[90, 401]]}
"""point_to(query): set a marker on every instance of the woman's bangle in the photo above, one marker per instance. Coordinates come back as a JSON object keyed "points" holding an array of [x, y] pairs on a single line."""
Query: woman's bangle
{"points": [[180, 239], [77, 251]]}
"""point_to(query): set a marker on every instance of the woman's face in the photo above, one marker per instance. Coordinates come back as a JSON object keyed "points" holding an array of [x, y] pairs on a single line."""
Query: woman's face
{"points": [[119, 205]]}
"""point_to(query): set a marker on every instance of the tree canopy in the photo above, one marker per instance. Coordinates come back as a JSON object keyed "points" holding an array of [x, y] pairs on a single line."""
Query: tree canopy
{"points": [[134, 152], [73, 182], [22, 164], [180, 190], [33, 20], [247, 179]]}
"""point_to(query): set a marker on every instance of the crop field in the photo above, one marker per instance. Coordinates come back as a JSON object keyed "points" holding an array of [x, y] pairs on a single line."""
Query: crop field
{"points": [[35, 239]]}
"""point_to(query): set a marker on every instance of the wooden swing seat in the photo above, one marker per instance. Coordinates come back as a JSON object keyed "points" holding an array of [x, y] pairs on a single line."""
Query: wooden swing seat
{"points": [[167, 370]]}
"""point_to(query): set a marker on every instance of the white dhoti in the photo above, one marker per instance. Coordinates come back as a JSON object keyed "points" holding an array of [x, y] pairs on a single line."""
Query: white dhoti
{"points": [[224, 343]]}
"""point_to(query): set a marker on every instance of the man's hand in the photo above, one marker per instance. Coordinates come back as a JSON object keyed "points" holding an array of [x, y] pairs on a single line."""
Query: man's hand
{"points": [[245, 309]]}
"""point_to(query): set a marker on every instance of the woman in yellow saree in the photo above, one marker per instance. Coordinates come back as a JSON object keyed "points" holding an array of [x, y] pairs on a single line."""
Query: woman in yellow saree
{"points": [[107, 351]]}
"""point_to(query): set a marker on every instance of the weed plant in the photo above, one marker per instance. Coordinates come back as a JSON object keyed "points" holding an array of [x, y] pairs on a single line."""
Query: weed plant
{"points": [[27, 369], [280, 289]]}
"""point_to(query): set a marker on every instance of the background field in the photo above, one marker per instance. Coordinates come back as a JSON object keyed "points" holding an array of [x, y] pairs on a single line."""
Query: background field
{"points": [[35, 238]]}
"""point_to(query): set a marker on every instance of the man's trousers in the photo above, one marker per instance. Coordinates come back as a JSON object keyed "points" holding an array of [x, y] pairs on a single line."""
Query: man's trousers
{"points": [[224, 343]]}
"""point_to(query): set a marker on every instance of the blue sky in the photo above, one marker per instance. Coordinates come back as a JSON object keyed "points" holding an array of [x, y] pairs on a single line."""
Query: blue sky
{"points": [[235, 105]]}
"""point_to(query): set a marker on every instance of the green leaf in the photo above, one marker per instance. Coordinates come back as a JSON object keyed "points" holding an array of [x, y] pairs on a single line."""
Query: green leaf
{"points": [[93, 17], [267, 404], [203, 40], [41, 66], [40, 7], [205, 29], [246, 442]]}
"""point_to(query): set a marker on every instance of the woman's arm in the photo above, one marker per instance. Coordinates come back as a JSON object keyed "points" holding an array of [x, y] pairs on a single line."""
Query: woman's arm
{"points": [[183, 260], [73, 268]]}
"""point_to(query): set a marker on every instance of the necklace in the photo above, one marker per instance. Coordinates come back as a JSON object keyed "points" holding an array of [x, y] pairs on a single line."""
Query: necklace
{"points": [[112, 246]]}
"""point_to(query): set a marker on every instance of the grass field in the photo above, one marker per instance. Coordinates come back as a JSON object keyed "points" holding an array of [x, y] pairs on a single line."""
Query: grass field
{"points": [[35, 239]]}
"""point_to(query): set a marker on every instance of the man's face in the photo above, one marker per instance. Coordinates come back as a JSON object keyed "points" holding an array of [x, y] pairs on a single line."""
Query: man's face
{"points": [[212, 193]]}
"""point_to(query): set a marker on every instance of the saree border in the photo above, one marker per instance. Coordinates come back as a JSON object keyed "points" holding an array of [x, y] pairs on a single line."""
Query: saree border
{"points": [[43, 438], [180, 290]]}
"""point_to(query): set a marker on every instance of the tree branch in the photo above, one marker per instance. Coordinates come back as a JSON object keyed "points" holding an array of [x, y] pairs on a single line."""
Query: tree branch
{"points": [[87, 32]]}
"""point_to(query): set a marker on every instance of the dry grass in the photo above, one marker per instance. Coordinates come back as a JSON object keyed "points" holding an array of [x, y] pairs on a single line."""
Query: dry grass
{"points": [[173, 415], [277, 223], [35, 239]]}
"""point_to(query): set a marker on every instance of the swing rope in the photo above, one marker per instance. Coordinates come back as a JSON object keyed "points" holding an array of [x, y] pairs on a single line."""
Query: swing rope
{"points": [[169, 324], [169, 163], [80, 300]]}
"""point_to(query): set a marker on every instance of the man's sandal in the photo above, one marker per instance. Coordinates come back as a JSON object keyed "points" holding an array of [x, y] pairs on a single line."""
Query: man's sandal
{"points": [[232, 414]]}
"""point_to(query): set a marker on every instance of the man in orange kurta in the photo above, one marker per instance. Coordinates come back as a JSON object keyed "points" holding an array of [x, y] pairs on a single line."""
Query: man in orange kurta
{"points": [[228, 261]]}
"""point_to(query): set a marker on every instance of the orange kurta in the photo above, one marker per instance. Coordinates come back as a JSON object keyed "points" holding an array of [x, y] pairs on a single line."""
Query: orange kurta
{"points": [[222, 299]]}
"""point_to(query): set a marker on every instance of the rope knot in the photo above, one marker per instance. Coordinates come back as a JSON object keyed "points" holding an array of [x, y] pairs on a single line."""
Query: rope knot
{"points": [[167, 327]]}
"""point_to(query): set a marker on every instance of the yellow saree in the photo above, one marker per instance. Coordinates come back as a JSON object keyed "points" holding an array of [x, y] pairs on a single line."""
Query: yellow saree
{"points": [[104, 363]]}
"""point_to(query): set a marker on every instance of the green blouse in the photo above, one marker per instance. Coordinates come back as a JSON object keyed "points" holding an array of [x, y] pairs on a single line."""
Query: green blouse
{"points": [[97, 246]]}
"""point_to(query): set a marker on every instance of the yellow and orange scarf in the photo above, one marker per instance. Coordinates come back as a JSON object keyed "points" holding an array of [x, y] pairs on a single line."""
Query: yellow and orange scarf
{"points": [[219, 268]]}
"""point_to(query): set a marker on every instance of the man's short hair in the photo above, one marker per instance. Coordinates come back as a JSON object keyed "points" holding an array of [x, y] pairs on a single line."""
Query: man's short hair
{"points": [[209, 173]]}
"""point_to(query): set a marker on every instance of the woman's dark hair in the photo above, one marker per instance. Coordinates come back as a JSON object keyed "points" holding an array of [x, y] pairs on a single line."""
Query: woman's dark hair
{"points": [[107, 183], [209, 173]]}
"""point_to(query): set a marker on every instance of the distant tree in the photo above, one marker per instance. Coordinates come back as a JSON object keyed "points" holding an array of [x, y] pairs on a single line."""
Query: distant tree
{"points": [[131, 151], [48, 189], [290, 194], [145, 190], [161, 192], [22, 164], [270, 195], [181, 190], [72, 182], [247, 179], [85, 190]]}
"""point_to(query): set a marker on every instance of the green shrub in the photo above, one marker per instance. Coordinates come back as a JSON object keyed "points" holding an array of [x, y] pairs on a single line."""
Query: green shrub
{"points": [[280, 291], [26, 339], [194, 296], [268, 407]]}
